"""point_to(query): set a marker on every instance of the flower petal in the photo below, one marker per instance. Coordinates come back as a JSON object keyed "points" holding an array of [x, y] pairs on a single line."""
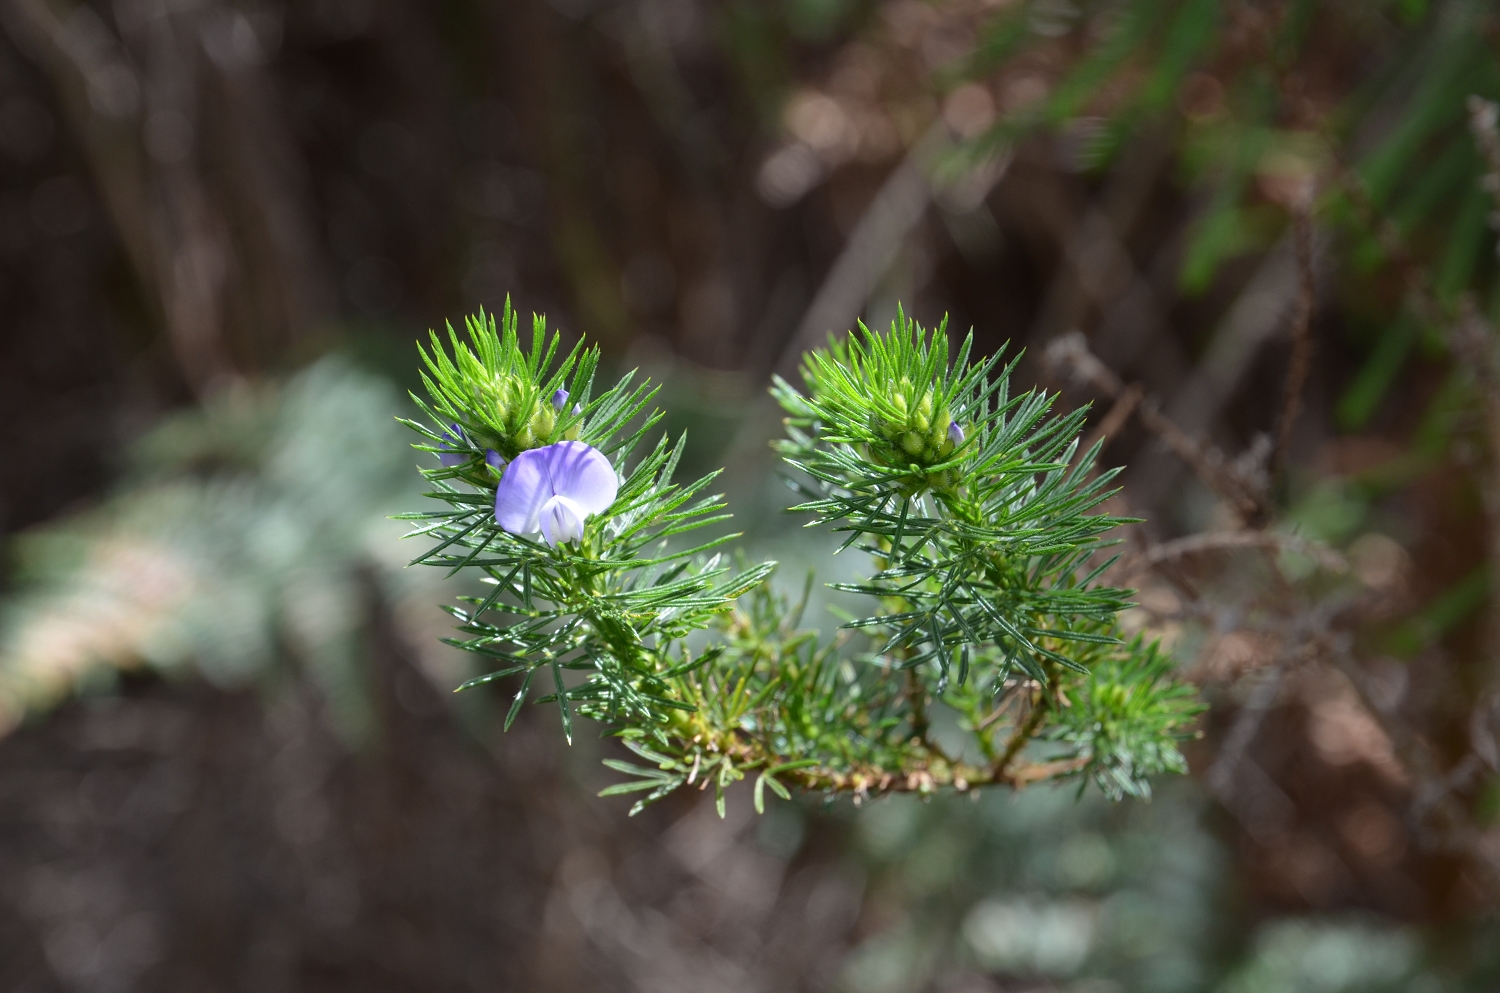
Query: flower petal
{"points": [[558, 399], [562, 521], [525, 487], [955, 433], [452, 435], [583, 474]]}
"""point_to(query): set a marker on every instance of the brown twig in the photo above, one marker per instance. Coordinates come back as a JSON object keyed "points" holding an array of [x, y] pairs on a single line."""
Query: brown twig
{"points": [[1114, 419], [1198, 544], [916, 695], [1242, 733], [1296, 376], [1455, 829], [1473, 341], [1022, 734], [1071, 353]]}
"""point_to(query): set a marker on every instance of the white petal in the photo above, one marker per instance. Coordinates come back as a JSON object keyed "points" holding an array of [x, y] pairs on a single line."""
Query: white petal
{"points": [[562, 521]]}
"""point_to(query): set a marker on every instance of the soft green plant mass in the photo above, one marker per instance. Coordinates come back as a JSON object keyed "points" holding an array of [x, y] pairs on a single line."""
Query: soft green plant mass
{"points": [[977, 512]]}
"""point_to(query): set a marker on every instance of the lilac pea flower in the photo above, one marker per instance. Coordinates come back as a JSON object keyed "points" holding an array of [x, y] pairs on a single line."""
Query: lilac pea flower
{"points": [[560, 398], [955, 434], [553, 489], [494, 458], [452, 435]]}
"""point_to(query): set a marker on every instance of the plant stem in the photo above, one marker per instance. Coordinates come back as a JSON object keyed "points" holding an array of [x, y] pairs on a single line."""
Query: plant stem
{"points": [[1022, 734], [916, 696]]}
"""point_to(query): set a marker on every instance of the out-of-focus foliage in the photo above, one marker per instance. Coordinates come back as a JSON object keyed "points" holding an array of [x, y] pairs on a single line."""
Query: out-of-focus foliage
{"points": [[244, 536], [1360, 109], [1042, 888]]}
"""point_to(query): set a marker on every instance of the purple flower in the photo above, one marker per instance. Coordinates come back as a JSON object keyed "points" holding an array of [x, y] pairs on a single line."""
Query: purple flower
{"points": [[553, 489], [452, 435], [955, 434], [559, 399], [494, 458]]}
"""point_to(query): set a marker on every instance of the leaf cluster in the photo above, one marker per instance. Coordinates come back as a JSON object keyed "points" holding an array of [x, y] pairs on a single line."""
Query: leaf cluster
{"points": [[1124, 719], [983, 548], [985, 594]]}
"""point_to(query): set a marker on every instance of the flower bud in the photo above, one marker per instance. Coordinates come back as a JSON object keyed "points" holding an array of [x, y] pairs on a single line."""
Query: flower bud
{"points": [[541, 424], [504, 397], [913, 443], [923, 420], [559, 399], [452, 438]]}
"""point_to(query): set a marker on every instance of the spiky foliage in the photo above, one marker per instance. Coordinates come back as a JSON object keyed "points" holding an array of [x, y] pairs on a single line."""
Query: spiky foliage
{"points": [[1122, 719], [985, 594], [616, 604], [982, 548]]}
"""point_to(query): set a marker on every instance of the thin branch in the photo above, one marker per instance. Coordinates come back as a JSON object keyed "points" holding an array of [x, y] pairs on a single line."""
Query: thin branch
{"points": [[1473, 341], [1114, 419], [1455, 829], [1220, 541], [1022, 734], [1071, 353], [1242, 733], [916, 695], [1296, 377]]}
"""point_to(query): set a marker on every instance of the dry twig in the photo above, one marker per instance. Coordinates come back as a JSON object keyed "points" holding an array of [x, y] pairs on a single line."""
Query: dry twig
{"points": [[1198, 544], [1296, 376], [1242, 733], [1114, 419], [1071, 354]]}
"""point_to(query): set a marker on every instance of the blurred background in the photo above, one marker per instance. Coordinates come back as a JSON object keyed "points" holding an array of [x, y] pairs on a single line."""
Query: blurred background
{"points": [[1258, 237]]}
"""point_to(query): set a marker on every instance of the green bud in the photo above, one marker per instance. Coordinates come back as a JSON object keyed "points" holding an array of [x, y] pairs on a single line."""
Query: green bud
{"points": [[913, 443], [504, 394], [542, 422], [923, 420], [1112, 697]]}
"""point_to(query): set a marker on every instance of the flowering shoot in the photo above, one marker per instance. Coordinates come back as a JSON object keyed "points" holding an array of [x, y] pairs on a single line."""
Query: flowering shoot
{"points": [[975, 509]]}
